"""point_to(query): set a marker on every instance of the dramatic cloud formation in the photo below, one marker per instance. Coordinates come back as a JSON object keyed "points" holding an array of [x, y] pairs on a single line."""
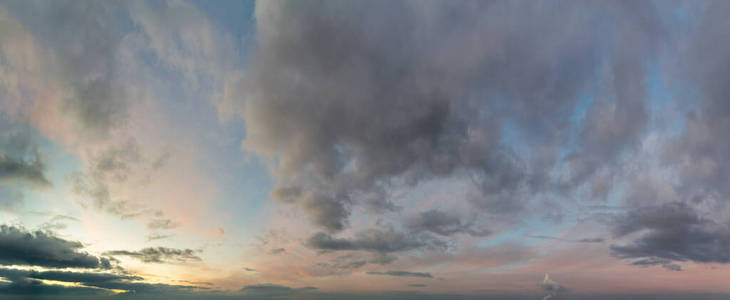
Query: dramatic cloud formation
{"points": [[20, 247], [352, 99], [158, 255], [364, 145], [551, 287]]}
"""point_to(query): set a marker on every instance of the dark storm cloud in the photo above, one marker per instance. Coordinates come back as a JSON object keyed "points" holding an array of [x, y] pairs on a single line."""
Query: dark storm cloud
{"points": [[351, 99], [20, 247], [402, 274], [673, 232], [20, 159], [36, 289], [158, 255], [376, 240], [685, 218], [27, 282], [443, 223]]}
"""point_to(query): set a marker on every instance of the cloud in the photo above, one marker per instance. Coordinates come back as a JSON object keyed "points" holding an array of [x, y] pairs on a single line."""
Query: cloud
{"points": [[376, 240], [94, 100], [354, 261], [654, 261], [162, 224], [551, 287], [674, 232], [401, 274], [444, 224], [20, 159], [57, 222], [583, 240], [20, 247], [96, 283], [158, 255], [350, 101], [277, 251], [113, 165], [417, 285]]}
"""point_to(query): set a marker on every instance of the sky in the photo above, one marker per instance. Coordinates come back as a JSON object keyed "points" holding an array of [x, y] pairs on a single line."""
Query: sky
{"points": [[364, 149]]}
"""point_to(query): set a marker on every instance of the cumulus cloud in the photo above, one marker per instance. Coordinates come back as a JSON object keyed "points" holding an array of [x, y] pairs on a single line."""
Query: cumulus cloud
{"points": [[402, 274], [551, 287], [21, 247], [349, 100], [158, 255], [29, 282]]}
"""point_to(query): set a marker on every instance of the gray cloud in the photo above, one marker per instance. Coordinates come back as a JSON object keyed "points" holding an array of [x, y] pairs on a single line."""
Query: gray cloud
{"points": [[157, 236], [551, 287], [66, 276], [654, 261], [583, 240], [20, 159], [83, 38], [27, 282], [115, 164], [353, 99], [376, 240], [20, 247], [417, 285], [158, 255], [674, 232], [443, 223], [354, 261], [402, 274], [277, 251], [162, 224]]}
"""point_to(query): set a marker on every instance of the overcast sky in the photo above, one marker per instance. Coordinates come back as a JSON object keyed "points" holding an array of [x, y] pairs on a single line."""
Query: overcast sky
{"points": [[365, 149]]}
